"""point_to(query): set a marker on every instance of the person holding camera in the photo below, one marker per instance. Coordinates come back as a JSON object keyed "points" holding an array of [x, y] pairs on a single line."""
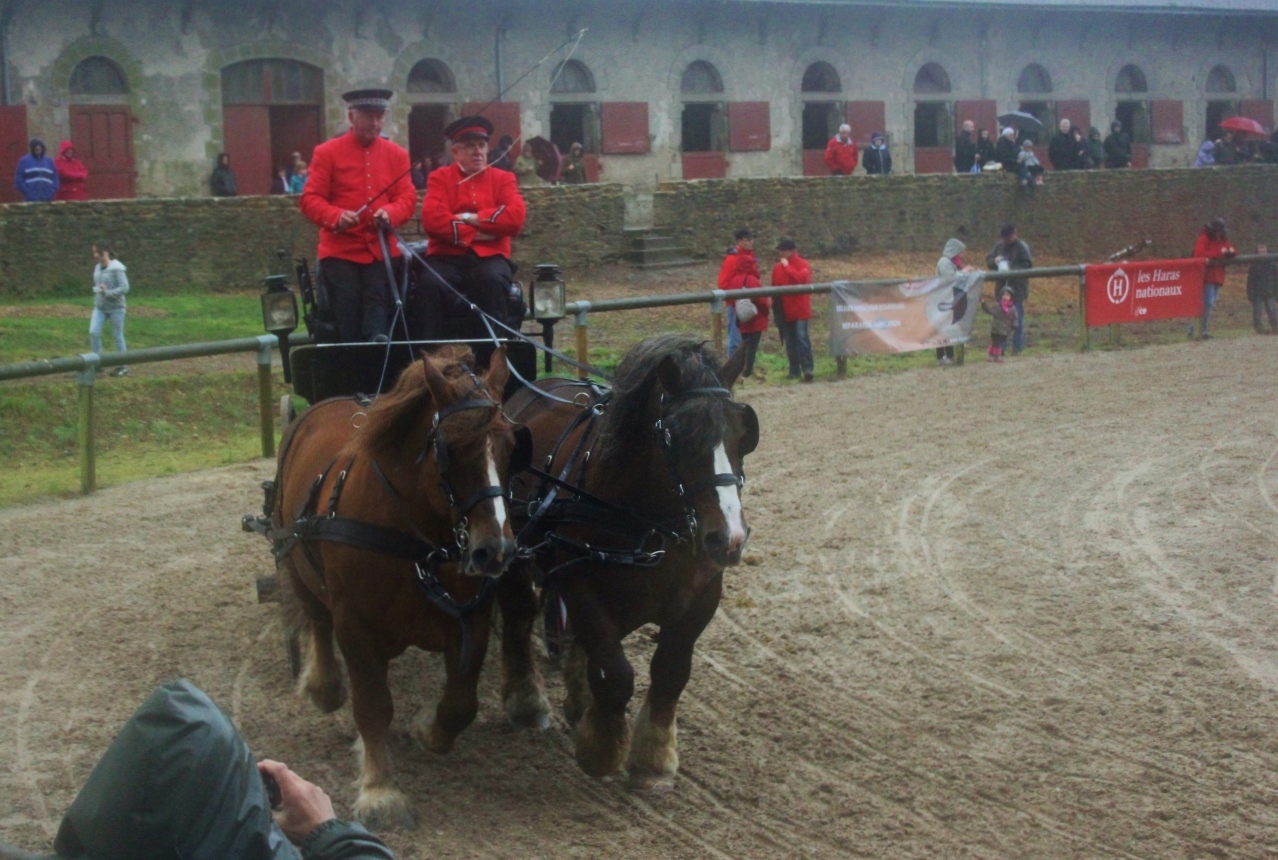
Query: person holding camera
{"points": [[179, 781]]}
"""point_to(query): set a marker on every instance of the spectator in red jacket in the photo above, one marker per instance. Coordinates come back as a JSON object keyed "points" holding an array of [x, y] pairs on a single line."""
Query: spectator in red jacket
{"points": [[741, 272], [73, 176], [841, 152], [1212, 245], [744, 246], [795, 310]]}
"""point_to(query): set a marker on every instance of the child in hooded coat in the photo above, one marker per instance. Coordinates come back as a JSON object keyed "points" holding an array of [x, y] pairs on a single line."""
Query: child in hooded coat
{"points": [[1001, 327]]}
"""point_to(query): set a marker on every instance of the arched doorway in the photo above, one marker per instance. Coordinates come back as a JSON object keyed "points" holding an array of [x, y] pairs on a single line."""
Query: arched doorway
{"points": [[1034, 86], [1222, 101], [432, 90], [933, 121], [702, 125], [574, 113], [270, 110], [821, 91], [1133, 110], [102, 128]]}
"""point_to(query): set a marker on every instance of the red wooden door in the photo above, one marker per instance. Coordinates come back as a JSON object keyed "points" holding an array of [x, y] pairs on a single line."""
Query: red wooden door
{"points": [[704, 165], [246, 135], [1077, 111], [933, 159], [749, 126], [865, 119], [814, 163], [1261, 111], [294, 128], [505, 119], [103, 138], [13, 145], [625, 128], [983, 112]]}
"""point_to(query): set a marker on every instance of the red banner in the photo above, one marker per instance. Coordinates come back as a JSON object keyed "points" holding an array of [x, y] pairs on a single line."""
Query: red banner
{"points": [[1139, 292]]}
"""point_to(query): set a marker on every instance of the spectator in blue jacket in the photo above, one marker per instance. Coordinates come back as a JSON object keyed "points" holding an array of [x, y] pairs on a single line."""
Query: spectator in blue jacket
{"points": [[878, 158], [37, 176]]}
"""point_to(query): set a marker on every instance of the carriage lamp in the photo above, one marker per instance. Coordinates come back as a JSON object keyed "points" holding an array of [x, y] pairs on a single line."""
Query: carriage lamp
{"points": [[279, 314], [547, 297]]}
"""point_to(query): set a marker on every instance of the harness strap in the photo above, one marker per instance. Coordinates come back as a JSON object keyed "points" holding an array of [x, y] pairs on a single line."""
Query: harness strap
{"points": [[460, 612], [479, 496]]}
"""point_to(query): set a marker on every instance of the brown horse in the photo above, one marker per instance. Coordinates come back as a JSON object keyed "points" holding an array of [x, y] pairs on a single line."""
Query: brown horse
{"points": [[391, 528], [657, 518]]}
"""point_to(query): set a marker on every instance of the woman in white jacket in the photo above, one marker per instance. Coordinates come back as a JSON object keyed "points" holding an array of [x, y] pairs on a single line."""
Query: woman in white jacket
{"points": [[110, 284]]}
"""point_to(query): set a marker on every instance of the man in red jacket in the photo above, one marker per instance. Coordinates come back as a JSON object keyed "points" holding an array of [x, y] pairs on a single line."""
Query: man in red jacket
{"points": [[841, 152], [357, 183], [795, 310], [1213, 245], [471, 212]]}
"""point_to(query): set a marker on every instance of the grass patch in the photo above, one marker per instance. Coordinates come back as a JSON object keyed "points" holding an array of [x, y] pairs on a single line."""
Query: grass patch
{"points": [[52, 327], [145, 427]]}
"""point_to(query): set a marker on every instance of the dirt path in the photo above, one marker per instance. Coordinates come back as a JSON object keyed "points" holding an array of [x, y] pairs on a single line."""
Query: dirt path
{"points": [[1043, 626]]}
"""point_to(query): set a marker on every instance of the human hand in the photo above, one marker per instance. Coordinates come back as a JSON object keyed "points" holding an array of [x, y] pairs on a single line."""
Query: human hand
{"points": [[381, 216], [347, 219], [303, 805], [467, 218], [785, 261]]}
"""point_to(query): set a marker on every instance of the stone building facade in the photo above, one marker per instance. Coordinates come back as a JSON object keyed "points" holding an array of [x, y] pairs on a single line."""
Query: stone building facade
{"points": [[657, 90]]}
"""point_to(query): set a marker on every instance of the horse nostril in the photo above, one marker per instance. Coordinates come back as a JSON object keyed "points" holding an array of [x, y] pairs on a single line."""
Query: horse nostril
{"points": [[716, 542], [479, 557]]}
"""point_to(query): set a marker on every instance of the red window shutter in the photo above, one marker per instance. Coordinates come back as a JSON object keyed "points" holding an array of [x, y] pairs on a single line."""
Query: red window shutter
{"points": [[865, 119], [1168, 121], [505, 119], [625, 128], [704, 165], [749, 126], [1261, 111], [983, 112], [13, 145], [1078, 112]]}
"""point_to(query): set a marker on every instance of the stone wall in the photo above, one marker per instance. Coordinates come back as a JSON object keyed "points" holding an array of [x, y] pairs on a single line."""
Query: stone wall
{"points": [[1082, 216], [212, 244]]}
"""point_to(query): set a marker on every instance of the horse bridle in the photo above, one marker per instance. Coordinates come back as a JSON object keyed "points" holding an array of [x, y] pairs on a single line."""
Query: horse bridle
{"points": [[666, 441], [436, 441]]}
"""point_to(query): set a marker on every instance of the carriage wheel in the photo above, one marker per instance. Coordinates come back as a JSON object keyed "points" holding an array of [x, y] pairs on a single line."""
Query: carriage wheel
{"points": [[287, 411]]}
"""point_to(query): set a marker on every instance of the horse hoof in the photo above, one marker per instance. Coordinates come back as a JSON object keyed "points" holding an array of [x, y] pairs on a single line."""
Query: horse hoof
{"points": [[438, 741], [384, 809], [601, 750], [328, 697], [528, 711], [654, 783]]}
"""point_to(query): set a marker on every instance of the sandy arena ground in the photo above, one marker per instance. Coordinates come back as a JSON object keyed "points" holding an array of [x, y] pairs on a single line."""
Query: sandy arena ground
{"points": [[1019, 611]]}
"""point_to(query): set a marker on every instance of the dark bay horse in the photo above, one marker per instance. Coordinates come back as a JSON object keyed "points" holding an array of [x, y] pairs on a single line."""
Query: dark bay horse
{"points": [[391, 529], [658, 461]]}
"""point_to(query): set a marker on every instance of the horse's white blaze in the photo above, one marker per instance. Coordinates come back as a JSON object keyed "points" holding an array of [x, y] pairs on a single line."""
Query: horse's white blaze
{"points": [[729, 499], [494, 480]]}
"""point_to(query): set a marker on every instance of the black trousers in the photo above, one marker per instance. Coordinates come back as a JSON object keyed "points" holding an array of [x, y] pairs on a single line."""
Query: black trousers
{"points": [[750, 343], [484, 281], [361, 298]]}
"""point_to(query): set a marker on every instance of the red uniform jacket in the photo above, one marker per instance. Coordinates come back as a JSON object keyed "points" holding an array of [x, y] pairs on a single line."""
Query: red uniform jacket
{"points": [[491, 194], [1213, 249], [343, 177], [841, 157], [740, 271], [794, 308], [73, 176]]}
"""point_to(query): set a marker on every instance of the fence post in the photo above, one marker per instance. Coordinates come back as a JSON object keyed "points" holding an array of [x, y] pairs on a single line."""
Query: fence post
{"points": [[264, 398], [717, 313], [841, 363], [1084, 342], [583, 337], [88, 460]]}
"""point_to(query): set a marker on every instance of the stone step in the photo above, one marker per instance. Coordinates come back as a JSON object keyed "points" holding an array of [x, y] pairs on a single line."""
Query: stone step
{"points": [[656, 255], [677, 263], [652, 243]]}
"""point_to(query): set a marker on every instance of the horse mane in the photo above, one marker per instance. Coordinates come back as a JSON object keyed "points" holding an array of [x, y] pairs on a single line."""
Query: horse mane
{"points": [[395, 415], [697, 421]]}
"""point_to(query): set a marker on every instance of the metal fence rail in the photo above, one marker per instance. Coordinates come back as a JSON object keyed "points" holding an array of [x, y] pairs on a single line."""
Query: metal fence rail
{"points": [[87, 365]]}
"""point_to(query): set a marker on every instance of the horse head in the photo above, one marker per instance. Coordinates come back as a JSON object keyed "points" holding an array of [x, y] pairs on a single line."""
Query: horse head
{"points": [[704, 437], [471, 449]]}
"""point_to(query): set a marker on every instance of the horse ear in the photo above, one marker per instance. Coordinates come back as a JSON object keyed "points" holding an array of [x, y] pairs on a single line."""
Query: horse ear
{"points": [[732, 370], [440, 390], [750, 438], [498, 373], [669, 376]]}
